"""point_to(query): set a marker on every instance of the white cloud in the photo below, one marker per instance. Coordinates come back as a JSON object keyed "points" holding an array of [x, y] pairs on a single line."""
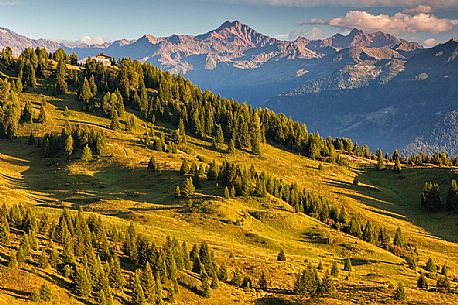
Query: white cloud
{"points": [[426, 9], [92, 40], [430, 42], [399, 22], [348, 3]]}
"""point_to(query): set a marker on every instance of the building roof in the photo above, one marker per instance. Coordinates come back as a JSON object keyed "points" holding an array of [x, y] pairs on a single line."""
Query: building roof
{"points": [[101, 55]]}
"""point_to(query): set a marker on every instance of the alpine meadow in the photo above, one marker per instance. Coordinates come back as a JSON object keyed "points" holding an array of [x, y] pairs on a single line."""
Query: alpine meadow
{"points": [[134, 172]]}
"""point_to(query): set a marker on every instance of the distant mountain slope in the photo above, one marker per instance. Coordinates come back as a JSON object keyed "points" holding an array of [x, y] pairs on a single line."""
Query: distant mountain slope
{"points": [[18, 42], [389, 103]]}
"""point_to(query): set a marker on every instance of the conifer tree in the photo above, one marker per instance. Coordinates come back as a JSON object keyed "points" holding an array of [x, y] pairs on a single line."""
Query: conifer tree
{"points": [[83, 286], [138, 296], [205, 284], [188, 188], [116, 278], [43, 260], [184, 167], [397, 166], [327, 284], [452, 197], [236, 280], [61, 83], [4, 230], [27, 113], [347, 264], [85, 94], [380, 162], [177, 192], [226, 192], [281, 257], [430, 265], [335, 269], [430, 198], [148, 282], [42, 116], [399, 239], [12, 262], [152, 164], [231, 147], [69, 146], [422, 282], [86, 154], [219, 137], [114, 124], [263, 281], [400, 293]]}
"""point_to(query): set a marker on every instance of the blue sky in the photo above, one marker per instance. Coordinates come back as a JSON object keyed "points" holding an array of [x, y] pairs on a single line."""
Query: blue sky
{"points": [[92, 20]]}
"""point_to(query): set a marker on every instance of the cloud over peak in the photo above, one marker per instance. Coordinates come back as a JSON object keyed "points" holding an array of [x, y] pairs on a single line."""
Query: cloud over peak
{"points": [[401, 22]]}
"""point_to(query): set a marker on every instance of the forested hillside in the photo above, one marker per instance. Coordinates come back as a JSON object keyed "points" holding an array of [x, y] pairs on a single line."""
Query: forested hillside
{"points": [[129, 185]]}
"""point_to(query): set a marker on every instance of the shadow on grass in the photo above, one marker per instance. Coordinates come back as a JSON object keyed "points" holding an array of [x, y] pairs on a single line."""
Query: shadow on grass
{"points": [[398, 196], [18, 294]]}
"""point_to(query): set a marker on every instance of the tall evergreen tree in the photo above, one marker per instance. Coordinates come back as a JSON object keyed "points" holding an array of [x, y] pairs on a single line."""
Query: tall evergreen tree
{"points": [[430, 198], [452, 197]]}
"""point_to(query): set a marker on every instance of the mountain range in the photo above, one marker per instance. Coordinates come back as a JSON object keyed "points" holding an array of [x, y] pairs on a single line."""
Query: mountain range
{"points": [[373, 87]]}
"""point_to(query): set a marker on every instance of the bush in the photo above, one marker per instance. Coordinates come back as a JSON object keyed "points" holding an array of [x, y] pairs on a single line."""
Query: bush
{"points": [[400, 293], [281, 257], [44, 294]]}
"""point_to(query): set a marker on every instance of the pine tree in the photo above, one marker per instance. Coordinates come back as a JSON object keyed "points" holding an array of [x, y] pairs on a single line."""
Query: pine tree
{"points": [[114, 124], [335, 269], [83, 286], [219, 137], [43, 260], [188, 188], [115, 276], [452, 197], [12, 262], [399, 239], [4, 230], [347, 264], [327, 284], [397, 166], [148, 282], [42, 116], [32, 77], [205, 284], [443, 283], [231, 147], [281, 257], [184, 167], [430, 265], [138, 296], [152, 164], [86, 155], [400, 293], [430, 198], [380, 162], [226, 193], [85, 94], [61, 83], [422, 282], [27, 113], [236, 280], [69, 146], [263, 281]]}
